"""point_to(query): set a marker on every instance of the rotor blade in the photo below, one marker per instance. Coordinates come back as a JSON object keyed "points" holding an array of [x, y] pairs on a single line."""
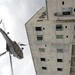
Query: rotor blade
{"points": [[1, 21], [11, 64], [22, 45], [3, 53]]}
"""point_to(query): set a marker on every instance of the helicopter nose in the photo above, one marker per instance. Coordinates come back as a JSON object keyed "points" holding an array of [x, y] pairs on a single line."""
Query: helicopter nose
{"points": [[21, 57]]}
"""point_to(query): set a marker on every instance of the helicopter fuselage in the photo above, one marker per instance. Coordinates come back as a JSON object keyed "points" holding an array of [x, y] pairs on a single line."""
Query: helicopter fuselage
{"points": [[12, 46]]}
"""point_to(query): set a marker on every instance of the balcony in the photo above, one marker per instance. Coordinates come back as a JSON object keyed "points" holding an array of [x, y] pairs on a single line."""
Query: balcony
{"points": [[66, 14], [72, 61], [67, 17], [73, 50], [72, 71]]}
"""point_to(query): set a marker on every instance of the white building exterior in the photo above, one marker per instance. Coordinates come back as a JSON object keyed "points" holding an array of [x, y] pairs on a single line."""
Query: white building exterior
{"points": [[51, 35], [58, 9]]}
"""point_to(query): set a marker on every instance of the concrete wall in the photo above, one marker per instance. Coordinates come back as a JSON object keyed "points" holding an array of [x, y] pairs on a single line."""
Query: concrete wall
{"points": [[50, 44]]}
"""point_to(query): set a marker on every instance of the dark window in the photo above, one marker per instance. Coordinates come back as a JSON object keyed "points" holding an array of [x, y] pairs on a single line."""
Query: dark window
{"points": [[74, 10], [41, 49], [59, 27], [39, 20], [39, 37], [42, 16], [66, 13], [42, 59], [44, 13], [62, 2], [38, 28], [59, 60], [59, 36], [59, 50], [59, 69], [44, 68]]}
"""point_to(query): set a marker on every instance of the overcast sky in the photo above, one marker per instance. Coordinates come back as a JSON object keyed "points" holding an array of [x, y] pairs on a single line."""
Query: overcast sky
{"points": [[15, 13]]}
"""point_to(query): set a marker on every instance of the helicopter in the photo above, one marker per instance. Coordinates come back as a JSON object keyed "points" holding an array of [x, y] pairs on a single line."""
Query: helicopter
{"points": [[12, 47]]}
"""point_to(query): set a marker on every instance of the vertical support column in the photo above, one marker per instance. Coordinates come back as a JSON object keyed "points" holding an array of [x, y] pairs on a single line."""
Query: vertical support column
{"points": [[11, 64]]}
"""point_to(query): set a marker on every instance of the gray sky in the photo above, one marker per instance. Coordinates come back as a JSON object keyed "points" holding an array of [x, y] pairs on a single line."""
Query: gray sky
{"points": [[15, 13]]}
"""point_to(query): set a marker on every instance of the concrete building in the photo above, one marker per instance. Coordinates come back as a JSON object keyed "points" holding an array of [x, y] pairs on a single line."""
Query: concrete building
{"points": [[51, 35], [59, 9]]}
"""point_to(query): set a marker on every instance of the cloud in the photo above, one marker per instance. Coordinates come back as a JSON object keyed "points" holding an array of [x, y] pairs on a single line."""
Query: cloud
{"points": [[5, 70], [20, 12]]}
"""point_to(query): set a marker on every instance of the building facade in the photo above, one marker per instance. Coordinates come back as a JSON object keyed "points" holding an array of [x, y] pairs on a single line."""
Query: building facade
{"points": [[51, 35]]}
